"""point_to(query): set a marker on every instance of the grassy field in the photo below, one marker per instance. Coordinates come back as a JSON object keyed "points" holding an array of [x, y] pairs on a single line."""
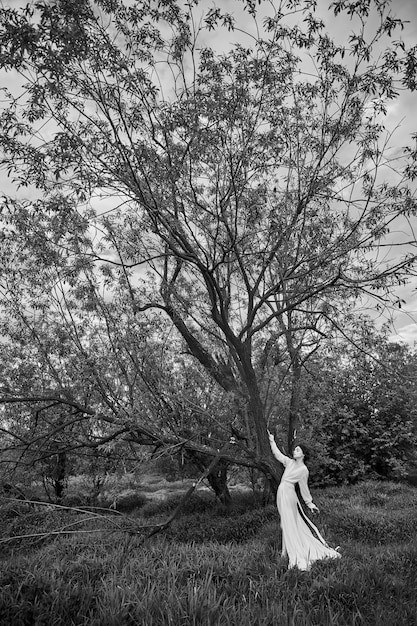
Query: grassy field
{"points": [[213, 566]]}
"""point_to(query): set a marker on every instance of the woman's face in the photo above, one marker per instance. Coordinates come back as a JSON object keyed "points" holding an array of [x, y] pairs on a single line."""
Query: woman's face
{"points": [[298, 453]]}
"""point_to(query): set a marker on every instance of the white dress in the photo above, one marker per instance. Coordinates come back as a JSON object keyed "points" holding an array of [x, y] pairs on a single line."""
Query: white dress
{"points": [[301, 540]]}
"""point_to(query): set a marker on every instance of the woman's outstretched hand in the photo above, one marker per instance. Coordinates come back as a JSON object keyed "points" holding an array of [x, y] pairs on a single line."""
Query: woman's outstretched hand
{"points": [[271, 436], [313, 508]]}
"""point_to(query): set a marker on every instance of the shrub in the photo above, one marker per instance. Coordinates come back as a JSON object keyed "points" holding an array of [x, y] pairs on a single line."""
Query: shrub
{"points": [[10, 510], [129, 501], [75, 500], [220, 526], [202, 502], [198, 503]]}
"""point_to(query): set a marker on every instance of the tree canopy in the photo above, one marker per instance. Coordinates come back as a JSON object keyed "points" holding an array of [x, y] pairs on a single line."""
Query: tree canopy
{"points": [[228, 198]]}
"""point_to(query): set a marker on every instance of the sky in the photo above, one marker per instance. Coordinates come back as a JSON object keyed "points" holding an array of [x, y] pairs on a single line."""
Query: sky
{"points": [[402, 113]]}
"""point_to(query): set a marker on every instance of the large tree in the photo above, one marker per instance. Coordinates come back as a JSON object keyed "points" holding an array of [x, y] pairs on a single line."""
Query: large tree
{"points": [[240, 189]]}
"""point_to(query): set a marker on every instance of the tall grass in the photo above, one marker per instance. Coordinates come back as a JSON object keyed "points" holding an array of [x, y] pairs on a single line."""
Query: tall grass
{"points": [[220, 567]]}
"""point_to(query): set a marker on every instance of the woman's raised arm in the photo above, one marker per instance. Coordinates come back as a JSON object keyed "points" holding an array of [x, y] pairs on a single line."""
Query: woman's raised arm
{"points": [[276, 451]]}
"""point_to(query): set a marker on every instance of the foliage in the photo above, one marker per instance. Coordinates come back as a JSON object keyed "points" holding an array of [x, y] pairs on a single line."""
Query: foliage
{"points": [[361, 404], [182, 200], [357, 399]]}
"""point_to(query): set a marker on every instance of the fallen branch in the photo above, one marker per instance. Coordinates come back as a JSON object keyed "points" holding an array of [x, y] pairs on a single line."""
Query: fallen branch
{"points": [[91, 515], [132, 528], [55, 532], [157, 528], [86, 509]]}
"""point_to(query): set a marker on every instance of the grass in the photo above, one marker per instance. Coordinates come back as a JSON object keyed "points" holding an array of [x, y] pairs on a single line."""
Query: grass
{"points": [[217, 567]]}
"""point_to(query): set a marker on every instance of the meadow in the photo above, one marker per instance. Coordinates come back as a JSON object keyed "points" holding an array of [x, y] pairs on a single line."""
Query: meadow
{"points": [[214, 565]]}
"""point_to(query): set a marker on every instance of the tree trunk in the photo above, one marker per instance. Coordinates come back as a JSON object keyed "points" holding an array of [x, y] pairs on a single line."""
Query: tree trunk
{"points": [[294, 402], [217, 479], [270, 466], [60, 474]]}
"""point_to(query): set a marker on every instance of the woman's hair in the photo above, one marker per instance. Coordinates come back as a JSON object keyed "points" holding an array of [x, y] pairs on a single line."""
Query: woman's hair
{"points": [[304, 448]]}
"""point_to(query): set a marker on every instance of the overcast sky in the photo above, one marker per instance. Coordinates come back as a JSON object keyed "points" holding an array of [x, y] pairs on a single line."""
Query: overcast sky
{"points": [[402, 112]]}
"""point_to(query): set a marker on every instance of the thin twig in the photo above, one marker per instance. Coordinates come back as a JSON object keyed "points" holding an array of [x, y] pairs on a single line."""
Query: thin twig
{"points": [[55, 532], [61, 506]]}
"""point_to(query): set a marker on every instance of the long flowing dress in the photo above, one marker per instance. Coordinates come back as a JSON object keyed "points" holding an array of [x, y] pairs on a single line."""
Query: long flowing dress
{"points": [[301, 540]]}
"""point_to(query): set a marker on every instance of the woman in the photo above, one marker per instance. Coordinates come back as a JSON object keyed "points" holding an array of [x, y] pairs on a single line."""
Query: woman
{"points": [[301, 540]]}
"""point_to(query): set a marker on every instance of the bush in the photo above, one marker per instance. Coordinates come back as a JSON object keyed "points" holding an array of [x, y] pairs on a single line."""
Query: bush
{"points": [[222, 525], [130, 501], [75, 500], [198, 503], [202, 502], [10, 510]]}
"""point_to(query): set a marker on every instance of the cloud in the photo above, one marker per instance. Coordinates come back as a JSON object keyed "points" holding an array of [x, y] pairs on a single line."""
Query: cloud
{"points": [[407, 334], [404, 320]]}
